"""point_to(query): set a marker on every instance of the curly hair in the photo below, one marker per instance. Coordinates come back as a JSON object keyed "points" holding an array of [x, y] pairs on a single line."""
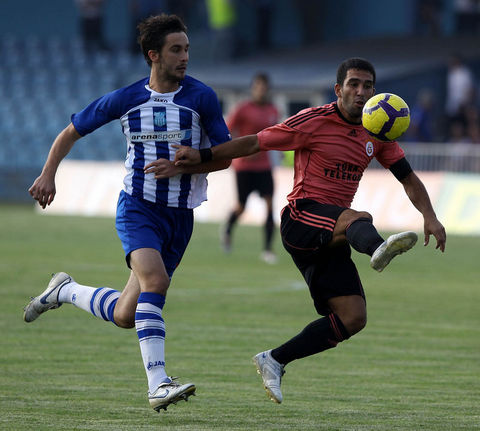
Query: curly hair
{"points": [[154, 29]]}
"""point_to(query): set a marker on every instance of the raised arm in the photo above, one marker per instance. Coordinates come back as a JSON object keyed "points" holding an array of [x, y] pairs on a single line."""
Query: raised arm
{"points": [[43, 188], [418, 195]]}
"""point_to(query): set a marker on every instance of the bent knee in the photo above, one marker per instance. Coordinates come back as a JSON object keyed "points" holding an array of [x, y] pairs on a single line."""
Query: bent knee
{"points": [[345, 220], [125, 324], [362, 215], [355, 323], [124, 321]]}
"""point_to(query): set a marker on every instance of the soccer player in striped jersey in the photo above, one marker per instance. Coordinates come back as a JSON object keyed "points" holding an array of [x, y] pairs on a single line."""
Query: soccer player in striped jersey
{"points": [[318, 227], [154, 216]]}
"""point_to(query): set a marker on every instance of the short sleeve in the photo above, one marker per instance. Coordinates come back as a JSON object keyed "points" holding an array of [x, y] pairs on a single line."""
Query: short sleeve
{"points": [[389, 153], [96, 114], [212, 119], [281, 137]]}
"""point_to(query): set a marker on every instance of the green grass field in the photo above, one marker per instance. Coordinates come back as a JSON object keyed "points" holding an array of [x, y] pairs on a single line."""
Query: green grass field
{"points": [[416, 366]]}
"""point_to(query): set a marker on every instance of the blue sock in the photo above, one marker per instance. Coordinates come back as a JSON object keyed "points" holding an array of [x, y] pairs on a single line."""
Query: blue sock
{"points": [[98, 301], [103, 303]]}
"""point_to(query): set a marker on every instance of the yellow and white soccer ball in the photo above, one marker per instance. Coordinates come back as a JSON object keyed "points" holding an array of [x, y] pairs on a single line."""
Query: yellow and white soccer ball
{"points": [[386, 116]]}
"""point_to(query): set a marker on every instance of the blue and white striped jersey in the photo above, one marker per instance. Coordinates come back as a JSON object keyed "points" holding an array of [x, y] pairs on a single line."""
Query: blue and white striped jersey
{"points": [[151, 123]]}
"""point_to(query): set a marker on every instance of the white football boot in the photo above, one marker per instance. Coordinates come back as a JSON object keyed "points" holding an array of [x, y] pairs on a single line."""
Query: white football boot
{"points": [[169, 393], [393, 246], [271, 372], [48, 300]]}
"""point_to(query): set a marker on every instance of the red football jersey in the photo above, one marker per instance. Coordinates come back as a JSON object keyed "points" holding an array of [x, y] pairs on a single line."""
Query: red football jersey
{"points": [[331, 153], [247, 119]]}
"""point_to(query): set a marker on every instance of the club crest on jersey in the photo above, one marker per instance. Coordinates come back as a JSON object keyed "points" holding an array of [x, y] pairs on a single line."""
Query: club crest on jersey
{"points": [[369, 148], [160, 118]]}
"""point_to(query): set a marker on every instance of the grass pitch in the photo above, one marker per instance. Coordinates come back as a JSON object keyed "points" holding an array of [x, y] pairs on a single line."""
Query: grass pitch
{"points": [[416, 366]]}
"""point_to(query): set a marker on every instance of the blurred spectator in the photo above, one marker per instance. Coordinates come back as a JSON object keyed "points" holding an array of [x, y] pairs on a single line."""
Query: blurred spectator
{"points": [[264, 10], [221, 21], [428, 17], [460, 91], [421, 118], [459, 147], [472, 116], [311, 15], [467, 16], [253, 173], [463, 135], [458, 133], [91, 24]]}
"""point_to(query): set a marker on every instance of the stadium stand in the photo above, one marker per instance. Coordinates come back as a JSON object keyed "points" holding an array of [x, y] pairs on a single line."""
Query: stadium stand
{"points": [[46, 76], [58, 78]]}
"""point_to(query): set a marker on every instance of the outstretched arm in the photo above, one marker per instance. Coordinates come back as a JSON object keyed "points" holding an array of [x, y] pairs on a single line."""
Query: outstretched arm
{"points": [[43, 188], [418, 195], [164, 168], [239, 147]]}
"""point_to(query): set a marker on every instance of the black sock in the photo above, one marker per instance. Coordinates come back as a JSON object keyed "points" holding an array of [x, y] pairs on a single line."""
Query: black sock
{"points": [[363, 236], [231, 221], [320, 335], [269, 231]]}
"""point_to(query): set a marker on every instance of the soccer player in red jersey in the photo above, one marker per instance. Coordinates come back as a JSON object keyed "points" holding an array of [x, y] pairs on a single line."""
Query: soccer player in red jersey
{"points": [[254, 172], [318, 227]]}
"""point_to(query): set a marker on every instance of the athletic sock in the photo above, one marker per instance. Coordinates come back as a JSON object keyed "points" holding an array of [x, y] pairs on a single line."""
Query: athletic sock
{"points": [[98, 301], [232, 219], [363, 236], [269, 227], [320, 335], [150, 328]]}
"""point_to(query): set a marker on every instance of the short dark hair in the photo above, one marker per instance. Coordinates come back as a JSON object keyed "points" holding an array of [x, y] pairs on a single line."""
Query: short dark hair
{"points": [[354, 63], [154, 29], [261, 76]]}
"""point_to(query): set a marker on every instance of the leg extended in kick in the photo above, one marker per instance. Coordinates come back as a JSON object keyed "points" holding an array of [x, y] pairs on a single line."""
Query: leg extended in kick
{"points": [[62, 288], [140, 305], [358, 230]]}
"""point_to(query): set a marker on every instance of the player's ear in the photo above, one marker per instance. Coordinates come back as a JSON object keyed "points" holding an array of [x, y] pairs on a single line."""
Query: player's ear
{"points": [[153, 55], [338, 90]]}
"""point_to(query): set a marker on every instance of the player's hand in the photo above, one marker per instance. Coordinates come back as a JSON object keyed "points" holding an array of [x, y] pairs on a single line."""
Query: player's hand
{"points": [[186, 156], [435, 228], [162, 168], [43, 190]]}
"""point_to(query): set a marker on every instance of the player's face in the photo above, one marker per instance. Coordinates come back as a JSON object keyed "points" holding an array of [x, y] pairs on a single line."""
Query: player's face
{"points": [[259, 90], [173, 58], [353, 93]]}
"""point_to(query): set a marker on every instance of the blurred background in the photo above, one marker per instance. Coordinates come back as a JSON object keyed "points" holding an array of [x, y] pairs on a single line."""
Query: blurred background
{"points": [[59, 55]]}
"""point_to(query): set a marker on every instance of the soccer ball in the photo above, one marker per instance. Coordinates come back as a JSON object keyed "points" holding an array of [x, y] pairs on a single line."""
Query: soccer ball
{"points": [[386, 116]]}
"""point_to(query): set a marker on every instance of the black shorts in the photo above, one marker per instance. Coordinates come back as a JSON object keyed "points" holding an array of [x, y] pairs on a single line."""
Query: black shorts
{"points": [[250, 181], [306, 229]]}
